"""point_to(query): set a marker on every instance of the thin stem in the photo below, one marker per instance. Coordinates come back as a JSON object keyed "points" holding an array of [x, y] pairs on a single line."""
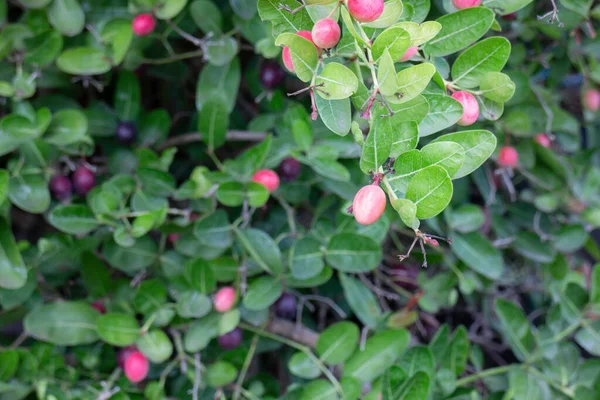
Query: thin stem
{"points": [[173, 58], [484, 374], [289, 211], [244, 370]]}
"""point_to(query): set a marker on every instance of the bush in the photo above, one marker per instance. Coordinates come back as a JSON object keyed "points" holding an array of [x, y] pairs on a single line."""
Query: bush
{"points": [[182, 218]]}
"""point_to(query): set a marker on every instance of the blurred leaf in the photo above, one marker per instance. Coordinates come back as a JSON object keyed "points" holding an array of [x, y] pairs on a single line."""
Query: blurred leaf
{"points": [[118, 329], [361, 300], [349, 252], [337, 343], [13, 272], [262, 293], [63, 323]]}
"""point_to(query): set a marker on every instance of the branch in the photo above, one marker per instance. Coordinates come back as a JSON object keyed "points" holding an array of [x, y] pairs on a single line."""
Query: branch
{"points": [[287, 329], [193, 137]]}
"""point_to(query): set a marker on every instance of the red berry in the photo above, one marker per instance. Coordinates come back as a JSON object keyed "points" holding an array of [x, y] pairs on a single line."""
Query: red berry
{"points": [[462, 4], [224, 299], [591, 99], [287, 55], [508, 157], [173, 237], [542, 139], [61, 188], [268, 178], [368, 205], [126, 132], [326, 33], [286, 305], [289, 169], [271, 74], [470, 107], [510, 17], [83, 180], [410, 52], [123, 354], [136, 367], [365, 10], [230, 340], [99, 306], [143, 24]]}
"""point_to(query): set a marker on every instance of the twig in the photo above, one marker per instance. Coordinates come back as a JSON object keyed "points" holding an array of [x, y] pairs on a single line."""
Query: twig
{"points": [[552, 15], [327, 301], [287, 329], [197, 367], [363, 337], [244, 370], [193, 137]]}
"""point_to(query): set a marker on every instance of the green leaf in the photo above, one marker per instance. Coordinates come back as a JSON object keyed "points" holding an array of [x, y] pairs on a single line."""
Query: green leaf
{"points": [[420, 33], [479, 254], [516, 328], [193, 305], [201, 332], [67, 127], [262, 293], [221, 50], [467, 218], [282, 20], [416, 387], [63, 323], [155, 345], [9, 362], [214, 230], [335, 114], [127, 96], [199, 11], [213, 122], [319, 389], [478, 144], [489, 55], [381, 351], [95, 275], [378, 145], [430, 190], [411, 82], [303, 366], [218, 82], [338, 342], [118, 329], [497, 86], [395, 39], [200, 276], [459, 30], [83, 61], [407, 210], [156, 182], [318, 280], [505, 7], [29, 192], [220, 374], [130, 259], [457, 351], [386, 74], [444, 112], [13, 272], [170, 9], [595, 285], [349, 252], [262, 249], [74, 219], [392, 10], [413, 110], [306, 258], [304, 55], [118, 35], [66, 16], [361, 299], [417, 359], [150, 296], [42, 49], [335, 82]]}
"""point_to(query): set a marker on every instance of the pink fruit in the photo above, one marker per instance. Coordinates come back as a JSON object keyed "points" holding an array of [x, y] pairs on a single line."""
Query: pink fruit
{"points": [[124, 354], [462, 4], [224, 299], [286, 54], [591, 99], [508, 157], [410, 52], [143, 24], [99, 306], [173, 237], [326, 33], [136, 367], [365, 10], [268, 178], [470, 107], [368, 205], [542, 139]]}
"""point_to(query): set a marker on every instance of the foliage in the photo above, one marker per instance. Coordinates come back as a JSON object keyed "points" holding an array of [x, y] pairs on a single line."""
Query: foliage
{"points": [[130, 199]]}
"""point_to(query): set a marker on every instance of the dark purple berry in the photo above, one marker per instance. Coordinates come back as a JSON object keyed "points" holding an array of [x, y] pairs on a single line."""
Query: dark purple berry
{"points": [[83, 180], [60, 187], [126, 132], [285, 307], [231, 340], [271, 74], [289, 169]]}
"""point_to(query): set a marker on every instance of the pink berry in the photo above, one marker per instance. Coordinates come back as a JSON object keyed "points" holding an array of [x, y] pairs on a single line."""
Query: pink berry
{"points": [[124, 354], [410, 52], [470, 107], [368, 205], [173, 237], [99, 306], [136, 367], [365, 10], [326, 33], [143, 24], [462, 4], [60, 187], [224, 299], [268, 178], [83, 180], [508, 157], [591, 100], [542, 139], [287, 55]]}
